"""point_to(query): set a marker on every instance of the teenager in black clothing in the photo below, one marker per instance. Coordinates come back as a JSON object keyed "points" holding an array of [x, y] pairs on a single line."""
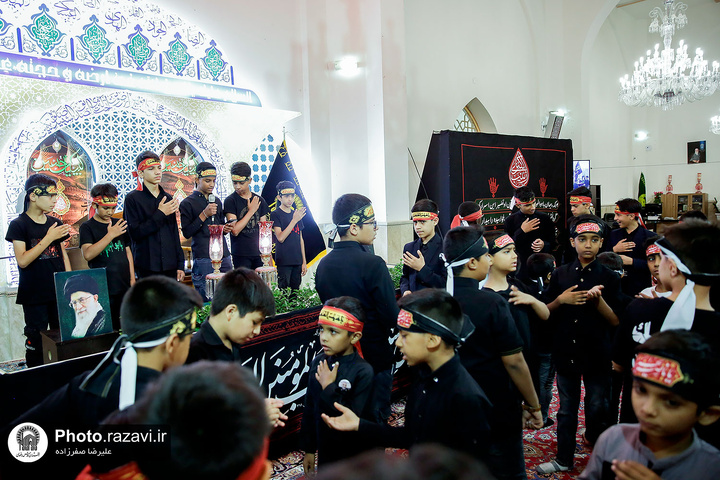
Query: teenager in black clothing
{"points": [[197, 213], [422, 265], [150, 215], [532, 231], [628, 241], [290, 246]]}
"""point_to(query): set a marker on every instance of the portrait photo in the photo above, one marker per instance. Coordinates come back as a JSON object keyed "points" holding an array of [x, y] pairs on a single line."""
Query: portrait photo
{"points": [[83, 303], [696, 152]]}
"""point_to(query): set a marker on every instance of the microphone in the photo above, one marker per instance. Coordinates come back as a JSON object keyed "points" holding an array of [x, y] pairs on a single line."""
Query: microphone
{"points": [[211, 199]]}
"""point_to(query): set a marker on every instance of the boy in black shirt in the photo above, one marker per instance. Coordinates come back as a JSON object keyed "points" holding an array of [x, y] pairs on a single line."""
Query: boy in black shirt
{"points": [[150, 215], [422, 265], [37, 243], [246, 210], [197, 212], [628, 241], [532, 231], [338, 374], [445, 405], [584, 294], [290, 247], [105, 243]]}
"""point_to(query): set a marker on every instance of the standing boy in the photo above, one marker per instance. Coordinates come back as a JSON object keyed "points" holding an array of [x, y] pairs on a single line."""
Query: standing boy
{"points": [[531, 230], [652, 253], [350, 270], [105, 243], [583, 295], [150, 215], [493, 355], [37, 243], [338, 374], [246, 210], [422, 265], [675, 387], [197, 213], [580, 204], [628, 241], [290, 247], [431, 327]]}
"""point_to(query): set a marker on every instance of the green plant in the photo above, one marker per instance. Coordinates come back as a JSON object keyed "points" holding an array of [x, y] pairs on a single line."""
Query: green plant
{"points": [[287, 300], [203, 314], [396, 274]]}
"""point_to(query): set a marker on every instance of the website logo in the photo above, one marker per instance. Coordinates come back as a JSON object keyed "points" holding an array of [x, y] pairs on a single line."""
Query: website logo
{"points": [[27, 442]]}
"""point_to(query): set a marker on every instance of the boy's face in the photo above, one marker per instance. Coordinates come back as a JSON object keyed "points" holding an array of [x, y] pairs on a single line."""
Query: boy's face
{"points": [[581, 209], [367, 232], [242, 188], [425, 229], [182, 352], [206, 185], [46, 203], [587, 245], [662, 413], [665, 271], [104, 213], [287, 200], [528, 209], [152, 175], [506, 259], [623, 220], [335, 341], [653, 262], [241, 329], [413, 347]]}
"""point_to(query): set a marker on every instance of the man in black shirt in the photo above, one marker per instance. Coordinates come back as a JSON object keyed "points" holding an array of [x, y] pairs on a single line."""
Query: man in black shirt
{"points": [[197, 213], [150, 214]]}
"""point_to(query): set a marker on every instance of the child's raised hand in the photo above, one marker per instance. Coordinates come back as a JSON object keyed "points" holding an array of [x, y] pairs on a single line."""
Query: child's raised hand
{"points": [[253, 205], [530, 224], [573, 297], [653, 294], [168, 208], [272, 407], [309, 464], [416, 263], [595, 292], [324, 375], [347, 422], [629, 470], [57, 231], [520, 298], [537, 245], [299, 214], [117, 229], [623, 246]]}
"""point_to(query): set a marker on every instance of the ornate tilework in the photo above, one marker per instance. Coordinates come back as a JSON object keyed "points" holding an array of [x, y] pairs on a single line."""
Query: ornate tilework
{"points": [[177, 55], [94, 39]]}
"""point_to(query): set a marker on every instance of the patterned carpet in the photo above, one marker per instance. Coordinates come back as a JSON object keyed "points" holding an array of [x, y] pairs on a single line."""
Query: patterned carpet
{"points": [[540, 446]]}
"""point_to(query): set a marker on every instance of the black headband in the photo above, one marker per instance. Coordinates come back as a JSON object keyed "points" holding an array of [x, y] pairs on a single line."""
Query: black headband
{"points": [[413, 321]]}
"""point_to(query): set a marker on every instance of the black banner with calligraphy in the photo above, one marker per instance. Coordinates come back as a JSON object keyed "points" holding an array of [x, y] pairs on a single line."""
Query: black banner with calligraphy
{"points": [[487, 168]]}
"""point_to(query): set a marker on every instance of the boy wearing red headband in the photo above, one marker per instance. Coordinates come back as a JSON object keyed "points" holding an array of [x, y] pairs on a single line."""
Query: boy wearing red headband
{"points": [[150, 215], [675, 388], [469, 213], [653, 255], [422, 265], [338, 374], [105, 243], [628, 241], [580, 204]]}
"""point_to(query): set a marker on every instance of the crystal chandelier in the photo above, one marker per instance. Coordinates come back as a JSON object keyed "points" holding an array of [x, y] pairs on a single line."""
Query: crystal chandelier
{"points": [[715, 124], [669, 77]]}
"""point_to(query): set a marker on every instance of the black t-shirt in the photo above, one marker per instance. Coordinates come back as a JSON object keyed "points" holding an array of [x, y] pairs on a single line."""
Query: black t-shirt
{"points": [[287, 252], [247, 242], [37, 280], [520, 313], [113, 259]]}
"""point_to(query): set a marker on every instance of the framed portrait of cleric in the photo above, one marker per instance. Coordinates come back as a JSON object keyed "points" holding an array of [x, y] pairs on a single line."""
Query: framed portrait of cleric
{"points": [[696, 152], [83, 303]]}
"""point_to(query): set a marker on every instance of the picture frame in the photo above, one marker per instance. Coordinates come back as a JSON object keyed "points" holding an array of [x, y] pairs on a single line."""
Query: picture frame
{"points": [[83, 303], [696, 152]]}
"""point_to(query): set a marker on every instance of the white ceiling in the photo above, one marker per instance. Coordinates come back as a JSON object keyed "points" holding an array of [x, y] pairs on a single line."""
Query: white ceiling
{"points": [[642, 8]]}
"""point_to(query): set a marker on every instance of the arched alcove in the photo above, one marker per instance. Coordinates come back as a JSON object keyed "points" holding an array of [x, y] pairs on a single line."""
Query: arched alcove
{"points": [[474, 117]]}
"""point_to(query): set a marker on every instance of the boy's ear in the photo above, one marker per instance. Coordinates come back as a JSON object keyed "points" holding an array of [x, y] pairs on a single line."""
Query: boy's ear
{"points": [[229, 311], [356, 336], [572, 242], [710, 415], [432, 341], [435, 221]]}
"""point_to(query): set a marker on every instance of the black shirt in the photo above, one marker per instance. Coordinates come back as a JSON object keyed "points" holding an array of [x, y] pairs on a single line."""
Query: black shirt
{"points": [[637, 276], [288, 252], [247, 242], [433, 274], [315, 435], [113, 259], [206, 345], [37, 280], [582, 334], [155, 238], [523, 241], [351, 270], [193, 227], [445, 406], [521, 314]]}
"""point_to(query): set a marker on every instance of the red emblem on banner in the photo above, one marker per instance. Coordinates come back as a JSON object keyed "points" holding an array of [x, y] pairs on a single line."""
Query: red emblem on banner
{"points": [[519, 172], [493, 186], [543, 186]]}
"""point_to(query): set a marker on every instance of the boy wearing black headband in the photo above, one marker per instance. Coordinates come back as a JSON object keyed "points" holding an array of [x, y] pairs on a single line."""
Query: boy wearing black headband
{"points": [[675, 388], [493, 355], [290, 246], [584, 295], [350, 270], [445, 405], [37, 243], [422, 265], [628, 241]]}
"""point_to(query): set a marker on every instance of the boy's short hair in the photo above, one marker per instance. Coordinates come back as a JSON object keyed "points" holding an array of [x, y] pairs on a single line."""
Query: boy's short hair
{"points": [[540, 265], [438, 305], [350, 304], [425, 205], [240, 168], [35, 180], [692, 214], [580, 192], [524, 194], [146, 154], [699, 381], [457, 241], [207, 168], [696, 242], [629, 205], [344, 207], [216, 414], [284, 185], [611, 260], [468, 208], [154, 298], [103, 190], [245, 289]]}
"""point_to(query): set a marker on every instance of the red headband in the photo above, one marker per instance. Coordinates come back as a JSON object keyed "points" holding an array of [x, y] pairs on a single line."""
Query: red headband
{"points": [[636, 215], [520, 202], [105, 201], [473, 217], [579, 200], [337, 317], [424, 216], [143, 165], [652, 250]]}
